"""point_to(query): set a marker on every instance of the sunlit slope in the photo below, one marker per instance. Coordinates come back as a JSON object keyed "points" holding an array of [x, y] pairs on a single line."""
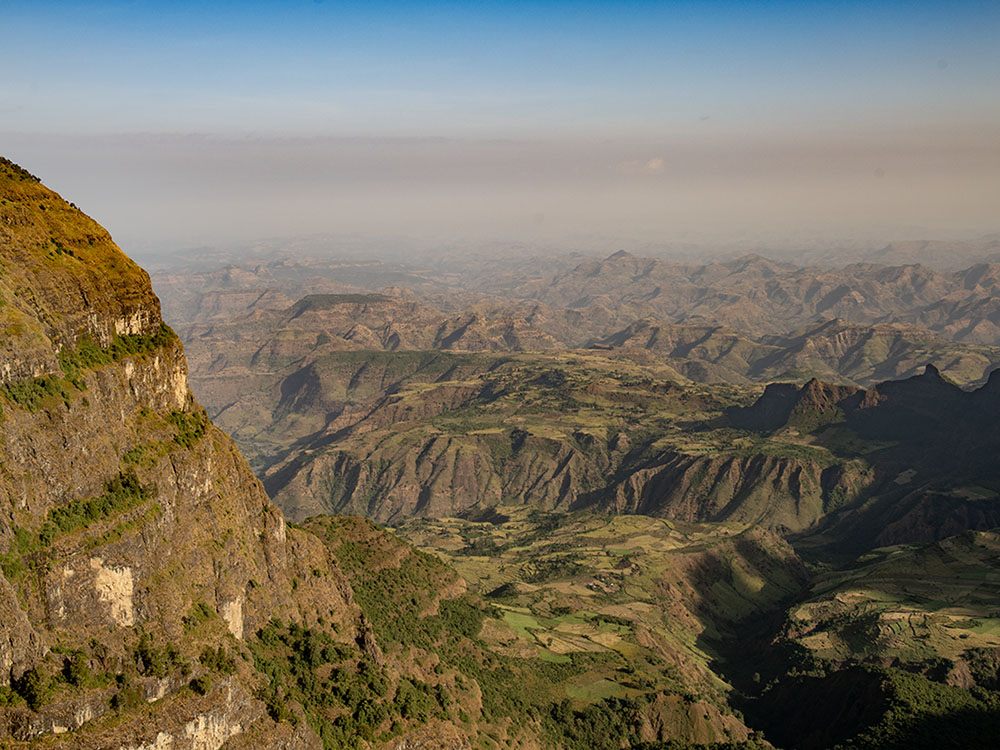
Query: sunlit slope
{"points": [[565, 638]]}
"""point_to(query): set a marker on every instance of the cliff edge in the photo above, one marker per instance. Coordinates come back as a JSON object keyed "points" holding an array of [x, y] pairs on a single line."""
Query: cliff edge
{"points": [[134, 539]]}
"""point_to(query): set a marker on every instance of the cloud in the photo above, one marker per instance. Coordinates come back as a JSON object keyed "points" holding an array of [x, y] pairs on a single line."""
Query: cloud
{"points": [[655, 165]]}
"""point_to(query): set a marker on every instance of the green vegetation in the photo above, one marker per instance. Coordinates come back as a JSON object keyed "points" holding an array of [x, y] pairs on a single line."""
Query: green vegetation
{"points": [[34, 394], [67, 671], [128, 696], [201, 685], [155, 660], [133, 345], [16, 171], [217, 660], [544, 660], [910, 603], [899, 710], [343, 695], [603, 725], [190, 427], [87, 355], [199, 614], [121, 493], [76, 670]]}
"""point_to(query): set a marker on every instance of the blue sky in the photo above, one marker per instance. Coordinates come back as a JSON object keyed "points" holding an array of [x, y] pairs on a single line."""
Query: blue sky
{"points": [[853, 79], [493, 68]]}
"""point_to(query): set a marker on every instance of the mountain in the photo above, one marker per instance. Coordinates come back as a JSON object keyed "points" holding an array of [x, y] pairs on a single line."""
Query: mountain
{"points": [[443, 434], [834, 350], [134, 537], [249, 328], [931, 447], [151, 595], [579, 303], [639, 560], [266, 340], [948, 256], [274, 373], [755, 296]]}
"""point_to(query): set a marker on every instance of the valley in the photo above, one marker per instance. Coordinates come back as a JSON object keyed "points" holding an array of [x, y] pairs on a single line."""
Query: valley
{"points": [[477, 513], [595, 456]]}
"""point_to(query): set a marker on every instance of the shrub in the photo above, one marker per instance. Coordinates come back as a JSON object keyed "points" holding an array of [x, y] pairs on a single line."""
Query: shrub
{"points": [[17, 171], [121, 493], [201, 685], [190, 427], [217, 660], [152, 661], [33, 393], [76, 670], [35, 687], [128, 695], [200, 612]]}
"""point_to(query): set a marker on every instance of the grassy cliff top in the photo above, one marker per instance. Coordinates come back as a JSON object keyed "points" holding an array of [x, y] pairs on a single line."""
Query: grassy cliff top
{"points": [[61, 275]]}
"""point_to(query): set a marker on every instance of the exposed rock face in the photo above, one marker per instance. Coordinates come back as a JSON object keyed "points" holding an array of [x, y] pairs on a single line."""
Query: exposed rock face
{"points": [[784, 403], [122, 510], [932, 451], [440, 477], [788, 494], [448, 476], [926, 413]]}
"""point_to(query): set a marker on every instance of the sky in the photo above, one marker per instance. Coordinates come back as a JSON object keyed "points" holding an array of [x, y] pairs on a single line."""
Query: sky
{"points": [[183, 123]]}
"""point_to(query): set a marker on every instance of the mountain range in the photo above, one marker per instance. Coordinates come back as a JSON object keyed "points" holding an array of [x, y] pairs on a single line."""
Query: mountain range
{"points": [[610, 529]]}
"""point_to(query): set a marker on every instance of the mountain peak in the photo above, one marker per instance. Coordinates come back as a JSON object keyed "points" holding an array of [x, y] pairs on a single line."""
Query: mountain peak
{"points": [[91, 368], [620, 255]]}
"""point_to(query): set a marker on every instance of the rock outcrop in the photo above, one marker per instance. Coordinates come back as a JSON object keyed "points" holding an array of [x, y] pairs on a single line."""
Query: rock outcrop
{"points": [[133, 535]]}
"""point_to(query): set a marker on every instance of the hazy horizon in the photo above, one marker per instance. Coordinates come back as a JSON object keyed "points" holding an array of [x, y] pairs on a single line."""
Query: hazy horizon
{"points": [[560, 123]]}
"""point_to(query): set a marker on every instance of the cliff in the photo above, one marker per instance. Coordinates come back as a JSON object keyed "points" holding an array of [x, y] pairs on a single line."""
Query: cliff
{"points": [[133, 535]]}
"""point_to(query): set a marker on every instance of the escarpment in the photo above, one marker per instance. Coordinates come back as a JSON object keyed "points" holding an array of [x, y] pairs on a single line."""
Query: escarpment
{"points": [[778, 492], [62, 279], [134, 539]]}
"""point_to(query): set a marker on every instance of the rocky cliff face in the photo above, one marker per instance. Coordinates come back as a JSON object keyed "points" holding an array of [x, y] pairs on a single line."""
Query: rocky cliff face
{"points": [[133, 536], [786, 493], [930, 448]]}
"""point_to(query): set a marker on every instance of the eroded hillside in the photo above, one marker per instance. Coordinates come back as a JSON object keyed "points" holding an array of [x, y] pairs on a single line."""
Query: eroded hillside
{"points": [[134, 535]]}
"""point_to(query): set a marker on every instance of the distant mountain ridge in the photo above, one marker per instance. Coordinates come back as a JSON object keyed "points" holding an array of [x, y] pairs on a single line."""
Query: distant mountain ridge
{"points": [[830, 349], [758, 296]]}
